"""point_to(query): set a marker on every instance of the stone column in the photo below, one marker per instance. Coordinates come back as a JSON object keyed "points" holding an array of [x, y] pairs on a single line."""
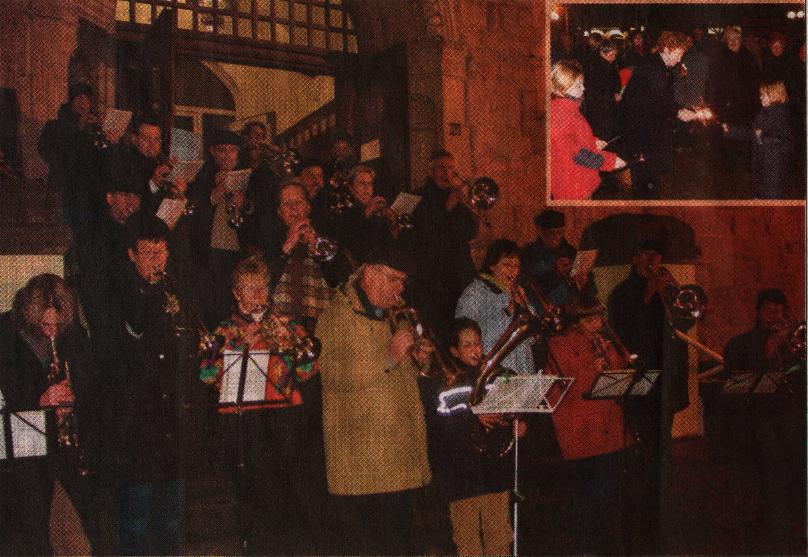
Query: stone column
{"points": [[38, 39]]}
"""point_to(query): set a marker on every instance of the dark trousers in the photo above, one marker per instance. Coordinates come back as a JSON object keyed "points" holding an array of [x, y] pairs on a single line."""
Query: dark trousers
{"points": [[274, 490], [644, 181], [379, 524], [598, 502], [151, 518], [26, 490]]}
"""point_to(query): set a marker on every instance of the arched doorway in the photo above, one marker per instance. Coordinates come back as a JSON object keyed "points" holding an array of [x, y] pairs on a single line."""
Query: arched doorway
{"points": [[293, 65]]}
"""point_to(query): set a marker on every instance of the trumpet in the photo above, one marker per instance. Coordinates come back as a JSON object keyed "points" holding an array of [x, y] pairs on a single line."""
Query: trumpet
{"points": [[67, 427], [236, 214], [483, 192], [444, 365], [275, 331], [340, 197], [285, 160], [322, 249], [400, 222]]}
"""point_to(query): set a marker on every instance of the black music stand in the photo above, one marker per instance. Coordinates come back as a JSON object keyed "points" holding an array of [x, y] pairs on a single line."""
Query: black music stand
{"points": [[623, 383], [754, 383], [243, 375], [25, 434], [522, 394]]}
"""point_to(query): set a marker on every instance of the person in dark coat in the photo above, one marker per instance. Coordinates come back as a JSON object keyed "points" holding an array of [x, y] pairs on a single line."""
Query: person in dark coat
{"points": [[368, 223], [443, 226], [602, 92], [139, 159], [778, 64], [475, 484], [66, 145], [635, 50], [772, 427], [649, 113], [215, 242], [773, 140], [149, 396], [638, 315], [732, 94], [44, 364], [539, 256]]}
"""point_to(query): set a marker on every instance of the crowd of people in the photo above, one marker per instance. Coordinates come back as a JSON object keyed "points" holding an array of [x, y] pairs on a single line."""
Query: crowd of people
{"points": [[296, 334], [621, 109]]}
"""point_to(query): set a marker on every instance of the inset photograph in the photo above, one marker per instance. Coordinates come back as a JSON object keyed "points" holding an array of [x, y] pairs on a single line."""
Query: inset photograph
{"points": [[676, 102]]}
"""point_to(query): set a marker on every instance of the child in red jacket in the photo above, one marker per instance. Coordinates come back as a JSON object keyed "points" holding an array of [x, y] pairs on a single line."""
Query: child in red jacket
{"points": [[576, 155]]}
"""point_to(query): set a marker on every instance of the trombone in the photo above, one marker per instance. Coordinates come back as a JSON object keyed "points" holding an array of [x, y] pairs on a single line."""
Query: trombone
{"points": [[483, 192]]}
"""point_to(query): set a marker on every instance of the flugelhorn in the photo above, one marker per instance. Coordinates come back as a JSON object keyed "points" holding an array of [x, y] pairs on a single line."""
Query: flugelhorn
{"points": [[443, 364]]}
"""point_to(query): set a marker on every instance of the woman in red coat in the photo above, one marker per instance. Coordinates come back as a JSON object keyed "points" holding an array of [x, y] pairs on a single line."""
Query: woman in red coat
{"points": [[576, 155], [591, 433]]}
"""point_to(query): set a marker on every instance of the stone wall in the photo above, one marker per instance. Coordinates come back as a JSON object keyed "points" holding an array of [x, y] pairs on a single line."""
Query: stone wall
{"points": [[38, 40]]}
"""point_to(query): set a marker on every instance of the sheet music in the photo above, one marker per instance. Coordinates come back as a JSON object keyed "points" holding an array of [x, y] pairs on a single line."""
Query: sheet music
{"points": [[739, 383], [516, 393], [770, 382], [186, 170], [255, 382], [644, 385], [28, 437], [186, 145], [238, 179], [116, 121], [584, 261], [170, 211], [612, 384], [405, 203]]}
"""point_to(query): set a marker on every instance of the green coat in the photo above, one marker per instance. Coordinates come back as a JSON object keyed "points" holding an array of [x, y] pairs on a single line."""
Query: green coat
{"points": [[373, 419]]}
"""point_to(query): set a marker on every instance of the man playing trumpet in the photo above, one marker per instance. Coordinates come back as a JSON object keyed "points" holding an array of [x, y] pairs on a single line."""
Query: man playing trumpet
{"points": [[373, 418]]}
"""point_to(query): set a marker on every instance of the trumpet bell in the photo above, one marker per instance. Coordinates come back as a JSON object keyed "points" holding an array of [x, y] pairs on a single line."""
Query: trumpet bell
{"points": [[483, 193], [324, 249], [797, 339], [689, 303]]}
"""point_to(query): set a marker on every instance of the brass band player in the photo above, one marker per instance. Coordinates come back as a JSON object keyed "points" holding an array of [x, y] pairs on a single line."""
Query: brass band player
{"points": [[43, 363], [373, 418], [591, 433], [769, 430], [476, 483], [269, 434]]}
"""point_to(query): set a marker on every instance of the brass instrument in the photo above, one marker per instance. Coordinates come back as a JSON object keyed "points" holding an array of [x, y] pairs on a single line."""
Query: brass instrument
{"points": [[684, 305], [285, 160], [443, 363], [797, 339], [208, 343], [401, 222], [340, 197], [236, 216], [302, 350], [483, 192], [323, 249], [67, 427]]}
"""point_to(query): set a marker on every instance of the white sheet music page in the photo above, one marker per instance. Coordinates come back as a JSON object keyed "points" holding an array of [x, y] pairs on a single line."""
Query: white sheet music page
{"points": [[516, 394], [28, 434], [405, 203], [255, 382]]}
